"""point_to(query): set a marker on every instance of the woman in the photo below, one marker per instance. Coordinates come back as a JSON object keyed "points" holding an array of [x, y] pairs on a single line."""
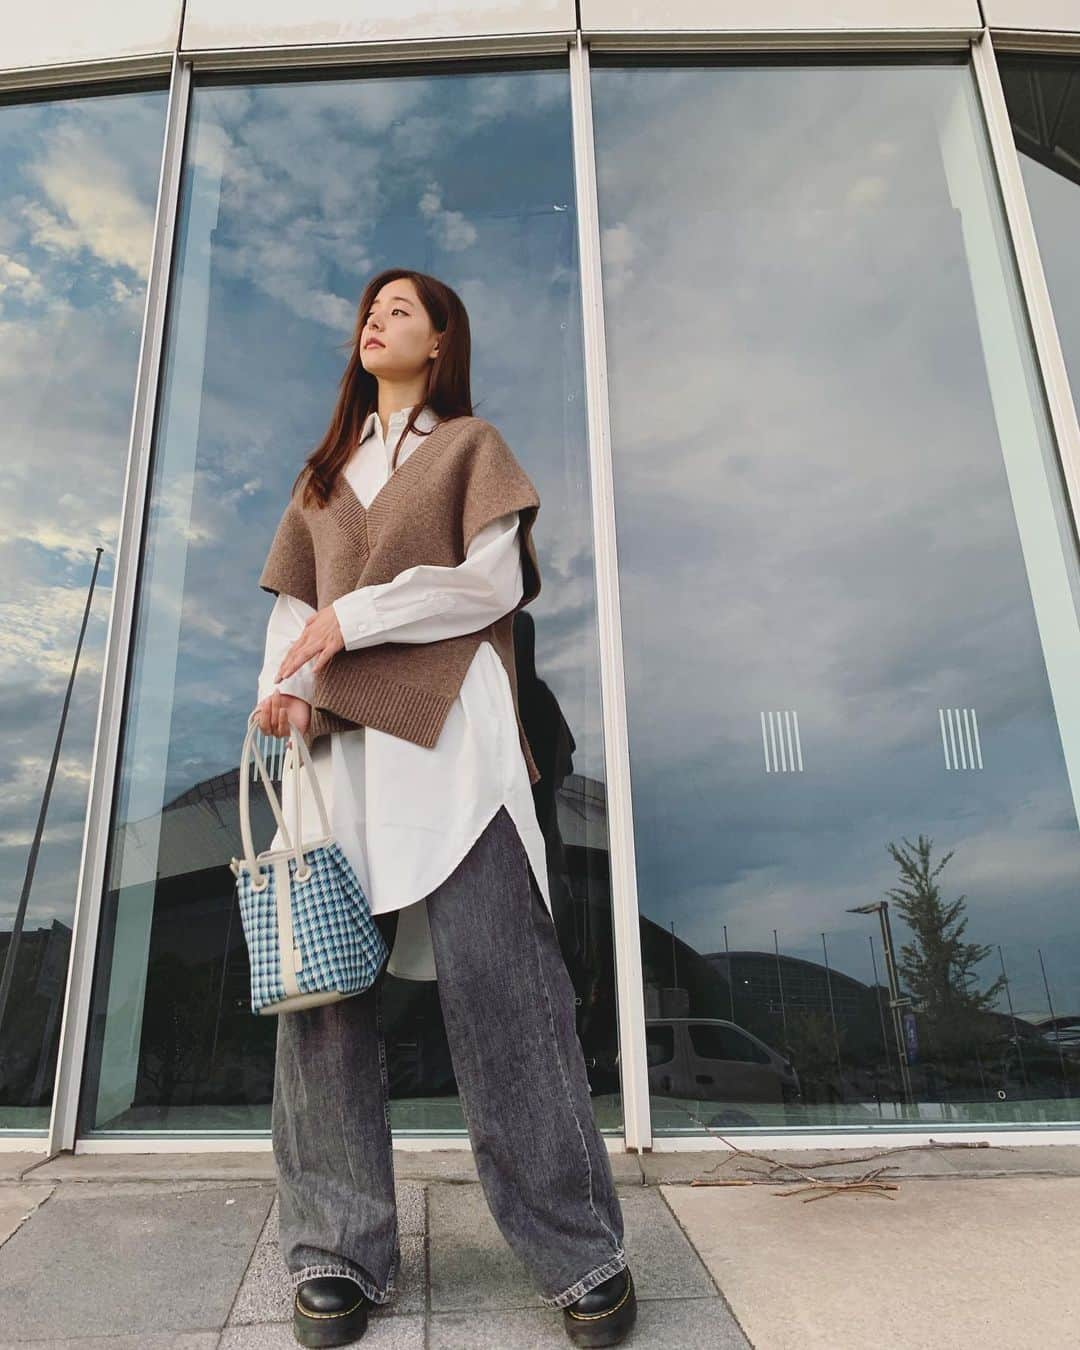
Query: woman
{"points": [[403, 684]]}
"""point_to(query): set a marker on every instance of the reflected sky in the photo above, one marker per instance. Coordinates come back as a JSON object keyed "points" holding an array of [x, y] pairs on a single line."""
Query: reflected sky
{"points": [[294, 193], [807, 326], [78, 182]]}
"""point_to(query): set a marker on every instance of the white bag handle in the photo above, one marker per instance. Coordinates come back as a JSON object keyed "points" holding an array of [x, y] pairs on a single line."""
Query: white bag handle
{"points": [[301, 757]]}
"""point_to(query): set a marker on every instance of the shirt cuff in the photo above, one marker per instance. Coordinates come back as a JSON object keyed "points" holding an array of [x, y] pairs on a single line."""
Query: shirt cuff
{"points": [[356, 617], [378, 613], [300, 683]]}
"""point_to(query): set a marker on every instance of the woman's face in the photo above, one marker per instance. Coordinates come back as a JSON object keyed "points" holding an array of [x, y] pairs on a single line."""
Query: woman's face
{"points": [[398, 339]]}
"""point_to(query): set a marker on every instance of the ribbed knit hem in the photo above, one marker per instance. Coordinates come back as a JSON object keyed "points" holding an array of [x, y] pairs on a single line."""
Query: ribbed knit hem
{"points": [[398, 709]]}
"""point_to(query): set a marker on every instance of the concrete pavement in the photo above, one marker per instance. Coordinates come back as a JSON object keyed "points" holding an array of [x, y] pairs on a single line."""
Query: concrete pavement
{"points": [[179, 1252]]}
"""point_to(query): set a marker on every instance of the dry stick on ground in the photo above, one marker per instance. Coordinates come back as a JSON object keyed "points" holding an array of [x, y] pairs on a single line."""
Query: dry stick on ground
{"points": [[934, 1145], [867, 1183]]}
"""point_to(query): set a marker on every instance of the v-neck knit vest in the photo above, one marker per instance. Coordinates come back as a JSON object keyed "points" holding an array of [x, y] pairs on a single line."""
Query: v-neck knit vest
{"points": [[459, 479]]}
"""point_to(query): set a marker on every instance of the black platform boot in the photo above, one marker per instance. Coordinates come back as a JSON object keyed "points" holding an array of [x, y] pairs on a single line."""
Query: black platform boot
{"points": [[605, 1314], [329, 1310]]}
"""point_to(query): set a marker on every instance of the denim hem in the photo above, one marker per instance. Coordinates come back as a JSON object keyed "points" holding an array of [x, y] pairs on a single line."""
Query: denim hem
{"points": [[595, 1276], [371, 1291]]}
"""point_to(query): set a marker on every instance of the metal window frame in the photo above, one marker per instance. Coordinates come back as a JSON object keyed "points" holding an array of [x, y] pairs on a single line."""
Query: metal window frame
{"points": [[74, 1023], [1036, 43], [1034, 288], [63, 1126], [1061, 409], [637, 1130], [629, 982]]}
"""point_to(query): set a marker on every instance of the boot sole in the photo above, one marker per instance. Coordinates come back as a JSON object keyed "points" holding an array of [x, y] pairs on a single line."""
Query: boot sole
{"points": [[319, 1331], [606, 1328]]}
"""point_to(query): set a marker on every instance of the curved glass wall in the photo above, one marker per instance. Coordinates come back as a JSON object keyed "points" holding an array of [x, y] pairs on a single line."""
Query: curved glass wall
{"points": [[1043, 96], [295, 190], [848, 589], [78, 180]]}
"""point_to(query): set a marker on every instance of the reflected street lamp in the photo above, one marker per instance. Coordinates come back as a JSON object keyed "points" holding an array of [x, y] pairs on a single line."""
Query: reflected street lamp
{"points": [[896, 1001]]}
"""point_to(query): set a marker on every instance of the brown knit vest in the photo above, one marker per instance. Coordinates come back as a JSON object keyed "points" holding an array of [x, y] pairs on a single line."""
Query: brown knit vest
{"points": [[458, 479]]}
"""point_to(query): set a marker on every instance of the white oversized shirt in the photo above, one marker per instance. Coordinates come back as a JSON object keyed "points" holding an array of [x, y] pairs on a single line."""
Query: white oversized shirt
{"points": [[405, 815]]}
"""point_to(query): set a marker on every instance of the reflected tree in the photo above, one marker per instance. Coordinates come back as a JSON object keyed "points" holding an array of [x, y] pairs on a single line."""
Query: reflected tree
{"points": [[938, 966]]}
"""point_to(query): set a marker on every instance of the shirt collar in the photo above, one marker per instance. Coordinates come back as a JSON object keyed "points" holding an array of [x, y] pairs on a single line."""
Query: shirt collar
{"points": [[425, 420]]}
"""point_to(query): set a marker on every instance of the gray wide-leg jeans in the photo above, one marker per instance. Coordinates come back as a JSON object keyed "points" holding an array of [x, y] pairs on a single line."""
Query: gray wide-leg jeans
{"points": [[508, 1008]]}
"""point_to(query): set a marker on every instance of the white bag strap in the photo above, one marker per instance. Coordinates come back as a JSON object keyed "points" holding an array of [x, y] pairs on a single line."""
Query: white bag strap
{"points": [[301, 757]]}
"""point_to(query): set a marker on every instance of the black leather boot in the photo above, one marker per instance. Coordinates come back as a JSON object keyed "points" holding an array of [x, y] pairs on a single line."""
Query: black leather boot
{"points": [[329, 1310], [605, 1314]]}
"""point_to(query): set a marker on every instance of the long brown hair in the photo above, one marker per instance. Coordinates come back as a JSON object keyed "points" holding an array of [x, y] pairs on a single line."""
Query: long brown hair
{"points": [[448, 392]]}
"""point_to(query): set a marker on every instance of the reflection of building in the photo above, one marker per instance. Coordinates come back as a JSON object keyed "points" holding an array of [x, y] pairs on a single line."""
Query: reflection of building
{"points": [[765, 990], [187, 960], [877, 288], [31, 1018], [1063, 1031], [768, 984]]}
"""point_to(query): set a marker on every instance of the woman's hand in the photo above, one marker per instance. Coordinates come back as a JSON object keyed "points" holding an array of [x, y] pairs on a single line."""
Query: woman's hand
{"points": [[277, 710], [321, 638]]}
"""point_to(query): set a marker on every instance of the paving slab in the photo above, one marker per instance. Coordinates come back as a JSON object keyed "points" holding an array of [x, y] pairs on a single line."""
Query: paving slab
{"points": [[995, 1160], [185, 1340], [119, 1189], [948, 1262], [157, 1167], [446, 1164], [12, 1165], [457, 1164], [664, 1263], [669, 1168], [673, 1324], [438, 1164], [266, 1294], [91, 1263], [386, 1333], [408, 1196], [474, 1268], [18, 1202], [472, 1265], [1049, 1159]]}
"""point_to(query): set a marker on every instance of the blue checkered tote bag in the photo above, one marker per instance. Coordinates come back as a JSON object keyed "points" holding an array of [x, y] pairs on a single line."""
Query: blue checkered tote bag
{"points": [[310, 935]]}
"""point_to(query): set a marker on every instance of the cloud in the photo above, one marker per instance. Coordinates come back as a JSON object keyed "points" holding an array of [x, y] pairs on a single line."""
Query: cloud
{"points": [[85, 201], [814, 511], [450, 229]]}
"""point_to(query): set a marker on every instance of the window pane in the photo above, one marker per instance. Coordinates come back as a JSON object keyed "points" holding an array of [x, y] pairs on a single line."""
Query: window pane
{"points": [[78, 178], [295, 191], [848, 589], [716, 1042], [659, 1044]]}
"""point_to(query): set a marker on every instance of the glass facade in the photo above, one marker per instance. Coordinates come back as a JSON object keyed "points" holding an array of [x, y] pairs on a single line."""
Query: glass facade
{"points": [[779, 298], [463, 173], [78, 178], [839, 523]]}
